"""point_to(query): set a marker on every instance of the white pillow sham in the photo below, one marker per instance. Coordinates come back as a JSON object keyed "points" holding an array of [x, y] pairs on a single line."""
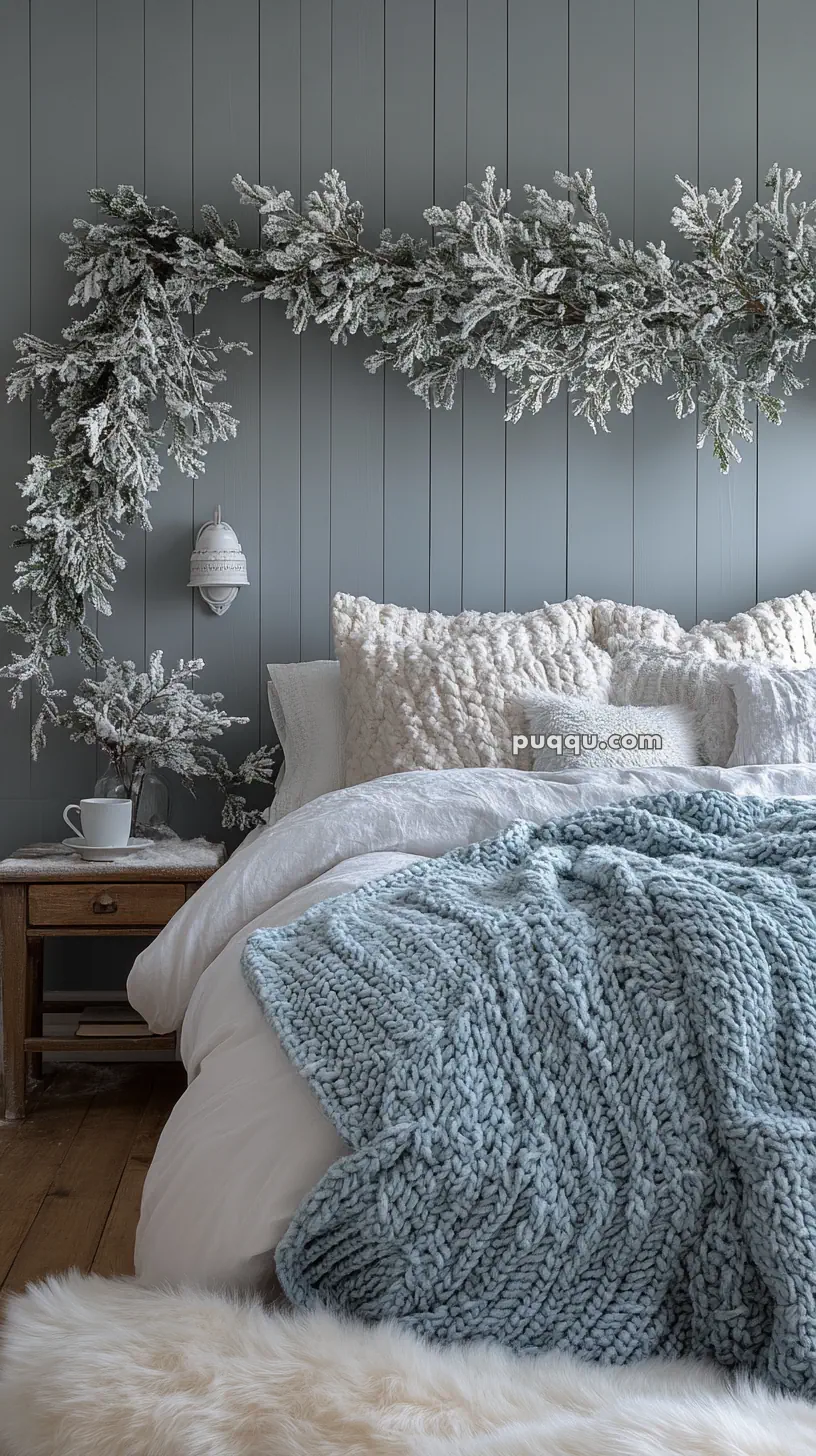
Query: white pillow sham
{"points": [[781, 630], [655, 677], [421, 690], [601, 733], [306, 703], [776, 714]]}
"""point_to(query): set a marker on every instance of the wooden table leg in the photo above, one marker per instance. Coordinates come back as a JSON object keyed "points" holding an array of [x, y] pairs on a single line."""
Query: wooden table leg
{"points": [[34, 1015], [14, 951]]}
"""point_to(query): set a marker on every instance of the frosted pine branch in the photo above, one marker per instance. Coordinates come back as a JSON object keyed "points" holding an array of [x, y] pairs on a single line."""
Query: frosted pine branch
{"points": [[547, 299]]}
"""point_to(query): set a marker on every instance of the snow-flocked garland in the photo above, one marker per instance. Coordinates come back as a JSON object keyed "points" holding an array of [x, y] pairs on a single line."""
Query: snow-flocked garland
{"points": [[546, 298]]}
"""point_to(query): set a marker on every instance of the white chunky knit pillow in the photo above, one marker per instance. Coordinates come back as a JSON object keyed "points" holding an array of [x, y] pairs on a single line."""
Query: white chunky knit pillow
{"points": [[616, 623], [598, 734], [655, 676], [426, 691], [782, 630], [421, 690]]}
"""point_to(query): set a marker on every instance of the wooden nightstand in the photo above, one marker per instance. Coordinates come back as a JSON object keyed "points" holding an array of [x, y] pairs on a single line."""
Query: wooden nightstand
{"points": [[46, 890]]}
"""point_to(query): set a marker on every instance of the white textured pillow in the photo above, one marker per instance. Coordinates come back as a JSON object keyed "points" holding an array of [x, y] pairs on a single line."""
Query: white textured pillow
{"points": [[653, 676], [421, 690], [614, 623], [776, 714], [782, 630], [306, 703], [549, 716]]}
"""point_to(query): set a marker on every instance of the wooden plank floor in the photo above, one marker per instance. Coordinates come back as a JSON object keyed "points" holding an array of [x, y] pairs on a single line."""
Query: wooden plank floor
{"points": [[71, 1175]]}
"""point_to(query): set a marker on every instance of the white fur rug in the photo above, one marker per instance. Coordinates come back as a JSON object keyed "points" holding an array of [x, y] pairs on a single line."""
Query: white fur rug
{"points": [[96, 1367]]}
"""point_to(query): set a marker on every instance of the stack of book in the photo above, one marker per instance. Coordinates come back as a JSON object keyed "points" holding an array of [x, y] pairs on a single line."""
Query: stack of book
{"points": [[116, 1019]]}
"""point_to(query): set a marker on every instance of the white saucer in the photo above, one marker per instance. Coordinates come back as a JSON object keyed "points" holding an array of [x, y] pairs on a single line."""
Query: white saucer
{"points": [[103, 851]]}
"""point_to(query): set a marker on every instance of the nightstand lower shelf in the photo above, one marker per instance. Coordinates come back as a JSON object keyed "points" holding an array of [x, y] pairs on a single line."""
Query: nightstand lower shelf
{"points": [[53, 932], [101, 1043]]}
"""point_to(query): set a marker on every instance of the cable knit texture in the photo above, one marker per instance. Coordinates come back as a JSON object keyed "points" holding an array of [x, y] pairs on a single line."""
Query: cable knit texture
{"points": [[782, 630], [655, 676], [576, 1065], [421, 690], [595, 724], [425, 691], [776, 713]]}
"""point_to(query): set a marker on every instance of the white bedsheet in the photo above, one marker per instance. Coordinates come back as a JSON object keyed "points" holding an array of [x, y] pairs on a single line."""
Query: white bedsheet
{"points": [[248, 1140]]}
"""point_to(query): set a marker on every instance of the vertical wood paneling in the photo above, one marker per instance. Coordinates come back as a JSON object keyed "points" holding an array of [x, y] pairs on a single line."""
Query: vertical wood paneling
{"points": [[536, 485], [483, 440], [15, 317], [120, 157], [279, 581], [601, 136], [409, 171], [63, 168], [786, 502], [20, 823], [225, 141], [339, 479], [450, 176], [665, 455], [315, 347], [357, 396], [168, 160], [727, 504]]}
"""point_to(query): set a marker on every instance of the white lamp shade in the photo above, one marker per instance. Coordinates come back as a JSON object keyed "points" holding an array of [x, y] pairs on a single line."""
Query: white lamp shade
{"points": [[218, 565]]}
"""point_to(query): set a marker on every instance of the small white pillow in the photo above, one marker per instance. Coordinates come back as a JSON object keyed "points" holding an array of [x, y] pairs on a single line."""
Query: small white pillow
{"points": [[776, 714], [597, 735], [306, 703], [656, 676]]}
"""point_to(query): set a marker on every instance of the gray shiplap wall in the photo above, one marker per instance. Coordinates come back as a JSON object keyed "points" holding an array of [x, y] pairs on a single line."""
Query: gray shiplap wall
{"points": [[340, 479]]}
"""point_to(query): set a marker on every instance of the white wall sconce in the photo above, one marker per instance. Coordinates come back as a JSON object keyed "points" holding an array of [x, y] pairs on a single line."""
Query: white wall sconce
{"points": [[218, 565]]}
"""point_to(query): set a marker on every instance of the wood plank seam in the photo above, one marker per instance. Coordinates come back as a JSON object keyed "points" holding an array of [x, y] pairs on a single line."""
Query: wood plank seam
{"points": [[23, 1134], [115, 1111]]}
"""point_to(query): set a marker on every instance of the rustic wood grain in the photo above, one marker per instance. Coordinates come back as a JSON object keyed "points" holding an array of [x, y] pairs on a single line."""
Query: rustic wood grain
{"points": [[115, 1252], [101, 1043], [13, 949], [52, 932], [103, 906], [31, 1152], [35, 904], [34, 999], [70, 1220]]}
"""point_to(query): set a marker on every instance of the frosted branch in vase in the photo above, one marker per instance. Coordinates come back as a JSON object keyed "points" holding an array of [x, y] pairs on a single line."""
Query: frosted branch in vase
{"points": [[151, 720]]}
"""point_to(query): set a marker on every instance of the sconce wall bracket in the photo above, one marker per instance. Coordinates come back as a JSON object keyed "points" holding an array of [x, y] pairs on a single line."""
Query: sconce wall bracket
{"points": [[218, 565]]}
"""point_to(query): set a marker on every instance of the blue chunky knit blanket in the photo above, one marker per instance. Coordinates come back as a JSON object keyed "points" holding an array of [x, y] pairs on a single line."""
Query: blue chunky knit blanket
{"points": [[576, 1065]]}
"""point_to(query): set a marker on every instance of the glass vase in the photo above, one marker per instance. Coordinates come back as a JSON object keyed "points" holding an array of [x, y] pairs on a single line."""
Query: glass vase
{"points": [[150, 796]]}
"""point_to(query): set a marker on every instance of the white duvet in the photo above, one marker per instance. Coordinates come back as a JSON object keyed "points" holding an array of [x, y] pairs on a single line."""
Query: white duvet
{"points": [[248, 1139]]}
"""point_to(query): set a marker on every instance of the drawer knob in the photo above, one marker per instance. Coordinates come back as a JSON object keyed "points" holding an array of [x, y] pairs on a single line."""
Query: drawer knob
{"points": [[105, 904]]}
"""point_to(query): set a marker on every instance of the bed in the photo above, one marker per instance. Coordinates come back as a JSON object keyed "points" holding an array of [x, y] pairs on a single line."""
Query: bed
{"points": [[364, 738], [248, 1140]]}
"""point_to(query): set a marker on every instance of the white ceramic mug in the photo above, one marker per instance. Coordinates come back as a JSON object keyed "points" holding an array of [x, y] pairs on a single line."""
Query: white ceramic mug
{"points": [[105, 822]]}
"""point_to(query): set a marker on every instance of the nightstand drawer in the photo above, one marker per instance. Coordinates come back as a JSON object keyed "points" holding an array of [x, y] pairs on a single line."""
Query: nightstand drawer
{"points": [[104, 904]]}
